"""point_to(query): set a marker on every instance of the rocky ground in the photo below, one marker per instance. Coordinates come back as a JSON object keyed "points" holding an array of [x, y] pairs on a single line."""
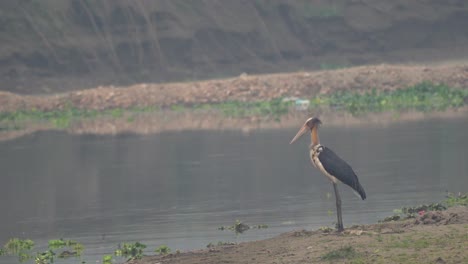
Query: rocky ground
{"points": [[432, 237]]}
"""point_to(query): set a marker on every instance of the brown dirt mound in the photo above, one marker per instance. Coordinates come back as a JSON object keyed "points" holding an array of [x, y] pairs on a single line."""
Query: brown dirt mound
{"points": [[243, 88]]}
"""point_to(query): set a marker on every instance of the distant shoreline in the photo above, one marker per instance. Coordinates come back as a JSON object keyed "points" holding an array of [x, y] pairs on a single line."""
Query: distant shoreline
{"points": [[153, 108], [165, 122]]}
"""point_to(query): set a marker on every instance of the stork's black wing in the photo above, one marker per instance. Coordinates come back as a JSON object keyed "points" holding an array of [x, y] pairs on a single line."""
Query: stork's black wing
{"points": [[338, 168]]}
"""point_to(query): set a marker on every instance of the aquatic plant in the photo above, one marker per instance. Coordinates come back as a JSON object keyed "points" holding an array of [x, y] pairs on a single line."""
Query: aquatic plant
{"points": [[163, 250], [22, 248], [107, 259], [240, 227], [130, 250], [237, 227], [18, 247], [45, 257], [220, 243], [70, 244]]}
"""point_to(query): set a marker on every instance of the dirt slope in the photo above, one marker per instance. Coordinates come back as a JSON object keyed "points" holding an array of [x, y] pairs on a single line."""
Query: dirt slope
{"points": [[55, 46]]}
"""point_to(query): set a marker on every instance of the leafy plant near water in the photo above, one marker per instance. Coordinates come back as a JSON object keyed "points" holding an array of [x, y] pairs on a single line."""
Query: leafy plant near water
{"points": [[107, 259], [163, 250], [131, 250], [71, 249], [274, 108], [69, 244], [23, 247], [63, 118], [220, 243], [424, 97], [411, 212], [18, 247], [240, 227]]}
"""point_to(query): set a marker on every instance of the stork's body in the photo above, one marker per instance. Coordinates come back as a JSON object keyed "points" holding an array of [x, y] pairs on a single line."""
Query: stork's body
{"points": [[330, 165]]}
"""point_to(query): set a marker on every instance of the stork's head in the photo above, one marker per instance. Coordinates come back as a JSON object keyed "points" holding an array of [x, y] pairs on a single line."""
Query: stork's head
{"points": [[308, 126]]}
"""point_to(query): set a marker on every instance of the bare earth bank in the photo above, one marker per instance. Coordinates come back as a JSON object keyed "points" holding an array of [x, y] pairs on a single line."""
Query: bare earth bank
{"points": [[243, 88], [434, 237]]}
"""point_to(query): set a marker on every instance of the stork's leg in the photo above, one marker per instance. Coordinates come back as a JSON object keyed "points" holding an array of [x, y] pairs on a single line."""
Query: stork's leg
{"points": [[339, 225]]}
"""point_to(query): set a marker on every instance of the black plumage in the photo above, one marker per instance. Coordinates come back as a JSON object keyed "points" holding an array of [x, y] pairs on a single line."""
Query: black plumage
{"points": [[341, 170]]}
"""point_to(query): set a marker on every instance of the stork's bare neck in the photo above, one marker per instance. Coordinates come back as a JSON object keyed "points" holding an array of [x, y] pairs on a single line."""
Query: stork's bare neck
{"points": [[314, 137]]}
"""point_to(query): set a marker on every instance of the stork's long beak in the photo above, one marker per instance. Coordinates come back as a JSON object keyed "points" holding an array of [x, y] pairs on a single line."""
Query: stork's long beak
{"points": [[299, 133]]}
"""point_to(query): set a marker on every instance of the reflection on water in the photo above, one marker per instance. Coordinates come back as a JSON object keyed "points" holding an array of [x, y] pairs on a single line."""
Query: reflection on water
{"points": [[177, 188]]}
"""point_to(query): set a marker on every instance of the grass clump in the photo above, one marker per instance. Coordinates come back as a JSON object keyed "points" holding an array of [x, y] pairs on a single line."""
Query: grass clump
{"points": [[63, 118], [163, 250], [220, 243], [347, 252], [274, 108], [456, 199]]}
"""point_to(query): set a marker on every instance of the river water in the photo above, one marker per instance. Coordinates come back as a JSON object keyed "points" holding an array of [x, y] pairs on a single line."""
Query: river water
{"points": [[177, 188]]}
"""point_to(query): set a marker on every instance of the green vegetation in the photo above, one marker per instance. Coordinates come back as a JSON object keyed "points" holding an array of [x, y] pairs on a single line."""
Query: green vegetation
{"points": [[341, 253], [131, 250], [163, 250], [314, 11], [418, 247], [18, 247], [220, 243], [70, 244], [237, 227], [107, 259], [411, 212], [408, 242], [423, 97], [240, 227], [270, 109], [22, 248], [62, 119], [458, 199]]}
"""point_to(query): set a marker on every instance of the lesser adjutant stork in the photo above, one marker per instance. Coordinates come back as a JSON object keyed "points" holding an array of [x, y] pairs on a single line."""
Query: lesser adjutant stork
{"points": [[330, 165]]}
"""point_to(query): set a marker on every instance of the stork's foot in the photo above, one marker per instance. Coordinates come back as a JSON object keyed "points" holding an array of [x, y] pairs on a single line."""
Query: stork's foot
{"points": [[339, 229]]}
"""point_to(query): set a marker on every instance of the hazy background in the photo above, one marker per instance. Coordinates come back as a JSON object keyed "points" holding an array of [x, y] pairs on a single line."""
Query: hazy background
{"points": [[54, 45]]}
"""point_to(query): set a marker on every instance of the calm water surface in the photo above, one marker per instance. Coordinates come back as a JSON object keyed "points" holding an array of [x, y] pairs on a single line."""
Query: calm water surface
{"points": [[178, 188]]}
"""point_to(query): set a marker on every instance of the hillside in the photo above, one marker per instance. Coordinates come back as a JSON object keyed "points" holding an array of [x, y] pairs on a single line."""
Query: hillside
{"points": [[54, 46]]}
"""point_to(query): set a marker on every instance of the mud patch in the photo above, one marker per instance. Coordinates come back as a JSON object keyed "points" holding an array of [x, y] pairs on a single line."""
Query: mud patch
{"points": [[441, 241]]}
